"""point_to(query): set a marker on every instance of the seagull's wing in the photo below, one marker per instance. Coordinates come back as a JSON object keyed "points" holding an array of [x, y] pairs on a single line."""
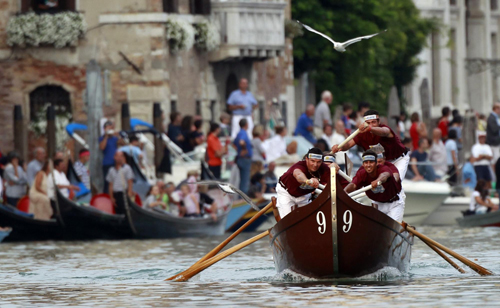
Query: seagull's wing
{"points": [[230, 189], [317, 32], [357, 39]]}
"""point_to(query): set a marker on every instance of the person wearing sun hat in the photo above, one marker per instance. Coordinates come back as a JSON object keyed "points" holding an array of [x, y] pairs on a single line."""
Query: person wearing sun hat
{"points": [[300, 180], [386, 193]]}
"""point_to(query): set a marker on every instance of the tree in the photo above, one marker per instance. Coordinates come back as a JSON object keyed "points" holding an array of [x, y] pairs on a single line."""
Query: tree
{"points": [[368, 69]]}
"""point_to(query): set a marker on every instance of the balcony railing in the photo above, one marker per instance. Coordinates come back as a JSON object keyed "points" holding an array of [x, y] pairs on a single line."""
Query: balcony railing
{"points": [[253, 29]]}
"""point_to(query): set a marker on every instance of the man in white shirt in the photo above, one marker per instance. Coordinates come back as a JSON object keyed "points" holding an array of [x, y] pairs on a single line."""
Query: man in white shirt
{"points": [[277, 150], [483, 155], [437, 153], [322, 114], [58, 177]]}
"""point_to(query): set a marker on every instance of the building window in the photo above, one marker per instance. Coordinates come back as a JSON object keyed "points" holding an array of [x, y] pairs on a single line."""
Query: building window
{"points": [[262, 112], [454, 72], [173, 106], [284, 113], [436, 71], [47, 6], [494, 5], [43, 96], [171, 6], [213, 105], [453, 2], [198, 108], [201, 7]]}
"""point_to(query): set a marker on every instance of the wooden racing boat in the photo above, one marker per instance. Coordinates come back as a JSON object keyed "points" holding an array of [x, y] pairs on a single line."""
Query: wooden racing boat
{"points": [[334, 236], [480, 220]]}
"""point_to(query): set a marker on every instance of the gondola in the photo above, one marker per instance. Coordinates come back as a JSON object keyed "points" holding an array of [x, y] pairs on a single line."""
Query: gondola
{"points": [[148, 224], [85, 222], [480, 220], [334, 237], [26, 228]]}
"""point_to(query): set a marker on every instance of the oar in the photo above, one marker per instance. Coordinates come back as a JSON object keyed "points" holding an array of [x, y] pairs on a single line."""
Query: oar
{"points": [[439, 252], [351, 136], [359, 191], [476, 267], [229, 239], [345, 176], [204, 265]]}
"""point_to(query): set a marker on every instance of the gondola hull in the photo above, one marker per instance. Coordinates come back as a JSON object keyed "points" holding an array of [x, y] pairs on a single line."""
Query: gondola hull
{"points": [[343, 239], [148, 224], [29, 229], [88, 223], [480, 220]]}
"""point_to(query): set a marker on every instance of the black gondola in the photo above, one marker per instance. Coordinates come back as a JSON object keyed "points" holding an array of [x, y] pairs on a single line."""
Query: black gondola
{"points": [[153, 224], [26, 228]]}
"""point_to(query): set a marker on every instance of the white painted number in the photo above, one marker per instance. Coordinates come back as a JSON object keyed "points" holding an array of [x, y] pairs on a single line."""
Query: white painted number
{"points": [[347, 221], [320, 219]]}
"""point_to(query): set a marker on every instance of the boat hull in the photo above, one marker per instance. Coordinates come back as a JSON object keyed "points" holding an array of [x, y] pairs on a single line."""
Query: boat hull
{"points": [[422, 199], [29, 229], [147, 224], [88, 223], [480, 220], [345, 239]]}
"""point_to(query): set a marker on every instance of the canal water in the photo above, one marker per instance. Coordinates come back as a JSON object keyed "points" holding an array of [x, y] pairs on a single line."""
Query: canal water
{"points": [[131, 273]]}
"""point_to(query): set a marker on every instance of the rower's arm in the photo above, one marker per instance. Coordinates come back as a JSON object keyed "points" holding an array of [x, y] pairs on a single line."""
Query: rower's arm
{"points": [[350, 188], [382, 132], [299, 176], [383, 177]]}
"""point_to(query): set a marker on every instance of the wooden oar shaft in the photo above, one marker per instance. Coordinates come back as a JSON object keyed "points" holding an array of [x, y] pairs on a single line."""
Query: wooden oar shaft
{"points": [[439, 252], [359, 191], [351, 136], [232, 236], [476, 267], [204, 265], [219, 247], [345, 176]]}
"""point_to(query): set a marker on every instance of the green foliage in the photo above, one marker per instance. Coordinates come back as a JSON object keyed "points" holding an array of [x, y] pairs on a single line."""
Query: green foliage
{"points": [[368, 69]]}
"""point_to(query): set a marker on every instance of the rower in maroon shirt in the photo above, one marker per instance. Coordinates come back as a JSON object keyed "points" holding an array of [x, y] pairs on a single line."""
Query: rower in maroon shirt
{"points": [[381, 161], [376, 133], [297, 183], [385, 193]]}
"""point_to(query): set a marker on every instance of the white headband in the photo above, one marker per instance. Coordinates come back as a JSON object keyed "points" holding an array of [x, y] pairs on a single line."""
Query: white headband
{"points": [[380, 155], [315, 156], [370, 117], [329, 159], [369, 158]]}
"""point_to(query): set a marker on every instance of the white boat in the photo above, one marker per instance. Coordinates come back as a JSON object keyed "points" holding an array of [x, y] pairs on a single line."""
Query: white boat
{"points": [[422, 199], [451, 209]]}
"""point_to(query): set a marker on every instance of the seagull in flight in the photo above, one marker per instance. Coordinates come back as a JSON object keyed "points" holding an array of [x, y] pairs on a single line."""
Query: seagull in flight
{"points": [[336, 45]]}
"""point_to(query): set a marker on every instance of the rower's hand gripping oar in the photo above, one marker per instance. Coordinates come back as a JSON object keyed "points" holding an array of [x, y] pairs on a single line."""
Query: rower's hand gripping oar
{"points": [[350, 137]]}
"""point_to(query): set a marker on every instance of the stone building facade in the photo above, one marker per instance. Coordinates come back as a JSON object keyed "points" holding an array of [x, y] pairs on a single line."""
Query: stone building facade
{"points": [[128, 40], [461, 61]]}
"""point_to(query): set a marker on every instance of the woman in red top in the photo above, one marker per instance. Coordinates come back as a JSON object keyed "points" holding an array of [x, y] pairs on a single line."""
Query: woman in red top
{"points": [[417, 130], [215, 150]]}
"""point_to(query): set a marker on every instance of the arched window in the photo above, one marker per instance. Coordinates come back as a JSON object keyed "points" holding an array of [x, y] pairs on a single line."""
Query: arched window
{"points": [[47, 95]]}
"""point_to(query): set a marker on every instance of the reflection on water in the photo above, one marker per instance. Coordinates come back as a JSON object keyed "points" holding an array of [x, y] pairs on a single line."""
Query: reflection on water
{"points": [[131, 273]]}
